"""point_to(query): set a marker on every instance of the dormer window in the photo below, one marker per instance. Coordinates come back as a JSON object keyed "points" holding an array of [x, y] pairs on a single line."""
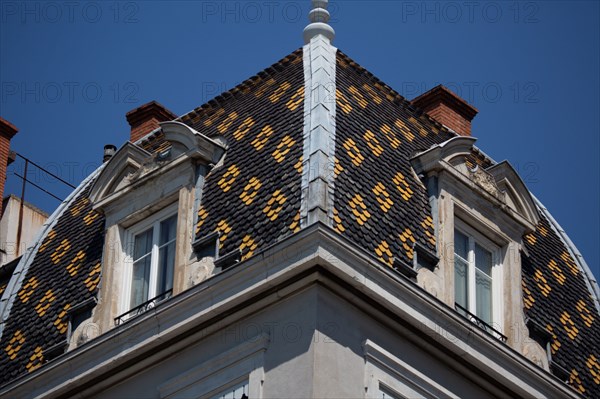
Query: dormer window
{"points": [[152, 258], [480, 214], [476, 279], [150, 201]]}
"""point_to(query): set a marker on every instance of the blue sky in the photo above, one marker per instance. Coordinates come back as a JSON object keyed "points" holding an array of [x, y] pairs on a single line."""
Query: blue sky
{"points": [[70, 70]]}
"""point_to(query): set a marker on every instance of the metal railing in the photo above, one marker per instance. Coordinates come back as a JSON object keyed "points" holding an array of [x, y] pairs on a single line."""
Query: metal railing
{"points": [[144, 307], [480, 323]]}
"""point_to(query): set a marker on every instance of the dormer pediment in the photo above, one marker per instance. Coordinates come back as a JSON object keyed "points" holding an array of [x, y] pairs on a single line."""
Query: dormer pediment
{"points": [[119, 171], [499, 184], [185, 140], [517, 196]]}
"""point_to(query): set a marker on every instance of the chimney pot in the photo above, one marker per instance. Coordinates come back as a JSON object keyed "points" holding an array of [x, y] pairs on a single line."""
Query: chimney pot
{"points": [[109, 151], [447, 108], [7, 132], [146, 118]]}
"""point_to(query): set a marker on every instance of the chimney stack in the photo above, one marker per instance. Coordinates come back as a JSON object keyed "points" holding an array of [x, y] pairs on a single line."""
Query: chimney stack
{"points": [[146, 118], [447, 108], [7, 132]]}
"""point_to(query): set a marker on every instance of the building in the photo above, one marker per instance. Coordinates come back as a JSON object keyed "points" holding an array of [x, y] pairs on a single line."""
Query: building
{"points": [[309, 233], [14, 241]]}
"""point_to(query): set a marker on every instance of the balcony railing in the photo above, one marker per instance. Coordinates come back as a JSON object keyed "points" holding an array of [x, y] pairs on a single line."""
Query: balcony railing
{"points": [[138, 310], [480, 323]]}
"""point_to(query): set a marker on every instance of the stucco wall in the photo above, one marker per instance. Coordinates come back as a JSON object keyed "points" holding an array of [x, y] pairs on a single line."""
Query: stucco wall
{"points": [[33, 219]]}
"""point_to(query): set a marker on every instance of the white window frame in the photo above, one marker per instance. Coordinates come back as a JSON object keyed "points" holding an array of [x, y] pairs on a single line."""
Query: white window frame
{"points": [[474, 236], [240, 364], [383, 369], [153, 221]]}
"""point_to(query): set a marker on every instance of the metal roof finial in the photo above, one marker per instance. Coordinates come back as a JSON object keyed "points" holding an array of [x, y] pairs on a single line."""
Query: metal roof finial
{"points": [[318, 16]]}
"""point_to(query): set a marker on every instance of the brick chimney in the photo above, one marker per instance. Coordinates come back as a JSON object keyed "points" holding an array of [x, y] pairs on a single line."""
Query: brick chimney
{"points": [[7, 132], [447, 108], [145, 119]]}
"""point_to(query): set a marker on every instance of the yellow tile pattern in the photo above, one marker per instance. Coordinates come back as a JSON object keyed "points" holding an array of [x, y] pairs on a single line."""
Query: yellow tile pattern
{"points": [[570, 263], [359, 209], [353, 152], [223, 228], [262, 138], [202, 215], [594, 366], [417, 124], [36, 360], [42, 307], [28, 289], [93, 279], [575, 381], [402, 185], [247, 247], [383, 197], [263, 89], [556, 272], [49, 238], [227, 122], [542, 283], [79, 206], [404, 129], [584, 313], [228, 178], [568, 325], [275, 205], [390, 135], [213, 118], [384, 254], [342, 102], [14, 345], [250, 191], [62, 323], [531, 238], [337, 222], [90, 217], [60, 251], [243, 128], [408, 240], [277, 94], [373, 143], [337, 167], [555, 345], [283, 148], [299, 165], [295, 225], [372, 93], [528, 299], [543, 231], [360, 99], [297, 99], [76, 263], [429, 229]]}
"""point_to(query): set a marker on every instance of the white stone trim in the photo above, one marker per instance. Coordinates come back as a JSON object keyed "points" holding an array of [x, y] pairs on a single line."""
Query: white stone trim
{"points": [[319, 58], [243, 362], [383, 367]]}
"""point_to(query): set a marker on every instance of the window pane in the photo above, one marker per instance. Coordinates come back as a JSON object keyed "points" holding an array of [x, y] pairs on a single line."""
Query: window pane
{"points": [[166, 263], [483, 284], [166, 255], [461, 244], [461, 283], [167, 230], [483, 259], [142, 244], [140, 282]]}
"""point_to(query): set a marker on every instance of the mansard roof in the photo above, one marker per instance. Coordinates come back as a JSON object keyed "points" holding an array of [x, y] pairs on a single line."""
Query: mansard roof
{"points": [[254, 199]]}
